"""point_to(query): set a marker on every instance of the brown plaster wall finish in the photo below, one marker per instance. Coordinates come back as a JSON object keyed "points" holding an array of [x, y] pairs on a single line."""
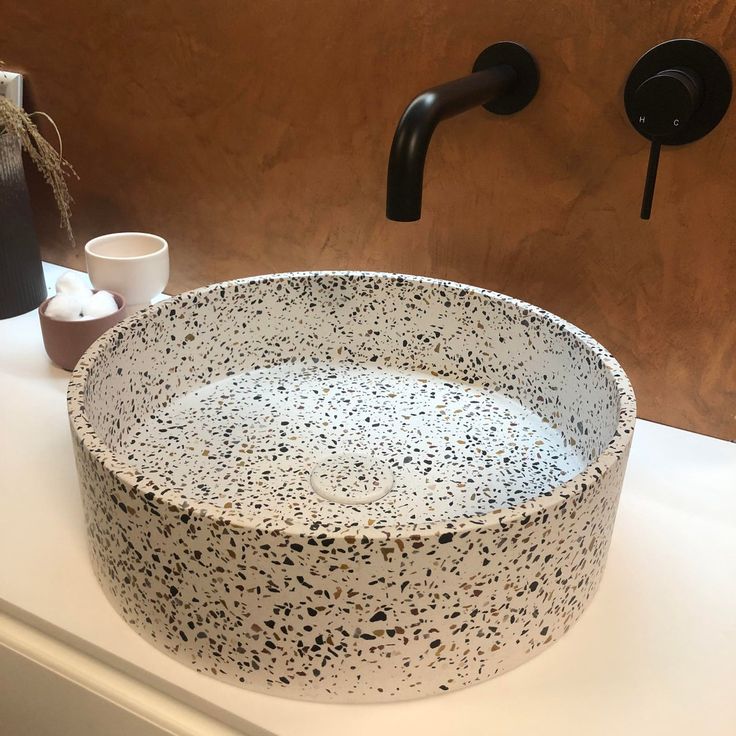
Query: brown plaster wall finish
{"points": [[254, 136]]}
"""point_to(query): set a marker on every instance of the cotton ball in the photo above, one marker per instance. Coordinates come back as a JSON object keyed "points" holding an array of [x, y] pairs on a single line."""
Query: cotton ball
{"points": [[70, 283], [66, 307], [100, 304]]}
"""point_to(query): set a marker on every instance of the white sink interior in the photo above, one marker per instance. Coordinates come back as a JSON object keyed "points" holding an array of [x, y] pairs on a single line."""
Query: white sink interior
{"points": [[445, 449]]}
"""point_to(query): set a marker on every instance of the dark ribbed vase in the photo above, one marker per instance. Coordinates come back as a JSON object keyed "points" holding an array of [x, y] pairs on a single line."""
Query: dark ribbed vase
{"points": [[22, 286]]}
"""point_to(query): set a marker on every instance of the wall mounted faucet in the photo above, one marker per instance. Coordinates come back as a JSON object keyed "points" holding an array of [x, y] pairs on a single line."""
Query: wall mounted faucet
{"points": [[505, 79]]}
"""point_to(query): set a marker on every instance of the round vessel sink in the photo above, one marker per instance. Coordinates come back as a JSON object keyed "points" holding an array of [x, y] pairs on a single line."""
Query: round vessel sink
{"points": [[349, 486]]}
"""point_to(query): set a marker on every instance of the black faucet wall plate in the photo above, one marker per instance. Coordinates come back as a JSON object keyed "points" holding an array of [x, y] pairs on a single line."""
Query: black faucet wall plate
{"points": [[675, 94], [527, 75], [690, 56]]}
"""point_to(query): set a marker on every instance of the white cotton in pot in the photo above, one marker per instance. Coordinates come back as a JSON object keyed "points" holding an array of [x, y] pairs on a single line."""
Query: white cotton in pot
{"points": [[66, 307], [70, 283], [99, 305]]}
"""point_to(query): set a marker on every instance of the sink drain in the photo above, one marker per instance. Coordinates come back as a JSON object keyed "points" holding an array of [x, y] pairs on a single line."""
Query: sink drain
{"points": [[351, 479]]}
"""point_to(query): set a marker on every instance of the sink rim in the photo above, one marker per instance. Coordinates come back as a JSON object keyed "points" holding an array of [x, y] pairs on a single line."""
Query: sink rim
{"points": [[127, 474]]}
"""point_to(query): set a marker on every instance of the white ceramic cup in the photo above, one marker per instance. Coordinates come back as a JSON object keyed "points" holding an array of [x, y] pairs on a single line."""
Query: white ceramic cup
{"points": [[135, 265]]}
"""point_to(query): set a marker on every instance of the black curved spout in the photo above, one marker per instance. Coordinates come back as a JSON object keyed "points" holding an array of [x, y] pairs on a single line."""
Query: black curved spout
{"points": [[411, 140], [505, 80]]}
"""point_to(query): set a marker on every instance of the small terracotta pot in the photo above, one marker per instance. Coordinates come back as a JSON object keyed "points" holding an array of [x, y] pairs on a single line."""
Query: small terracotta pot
{"points": [[66, 340]]}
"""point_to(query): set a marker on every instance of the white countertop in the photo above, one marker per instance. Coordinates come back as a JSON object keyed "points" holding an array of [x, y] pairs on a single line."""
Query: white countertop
{"points": [[654, 654]]}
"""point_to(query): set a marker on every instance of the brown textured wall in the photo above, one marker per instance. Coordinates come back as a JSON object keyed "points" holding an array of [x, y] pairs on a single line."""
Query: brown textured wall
{"points": [[254, 136]]}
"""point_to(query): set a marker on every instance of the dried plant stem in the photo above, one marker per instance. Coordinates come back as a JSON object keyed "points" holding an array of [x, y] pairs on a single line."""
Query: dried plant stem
{"points": [[53, 166]]}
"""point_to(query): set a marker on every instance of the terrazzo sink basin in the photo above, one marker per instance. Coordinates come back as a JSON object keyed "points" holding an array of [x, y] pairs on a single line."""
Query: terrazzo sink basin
{"points": [[349, 486]]}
